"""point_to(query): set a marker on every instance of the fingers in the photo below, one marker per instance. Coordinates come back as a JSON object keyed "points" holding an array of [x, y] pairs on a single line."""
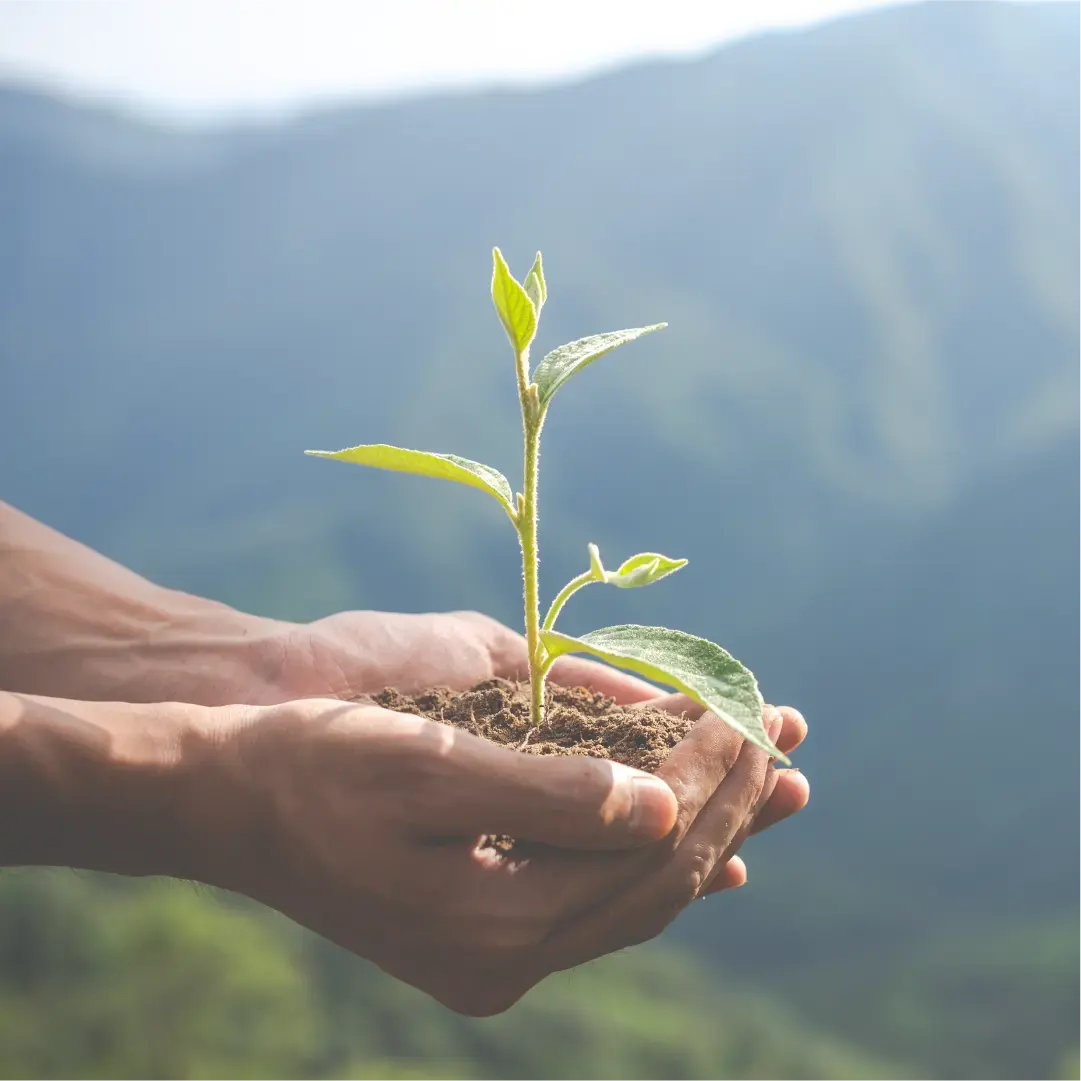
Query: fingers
{"points": [[792, 733], [694, 770], [793, 728], [713, 836], [475, 787], [695, 767], [569, 671], [730, 875], [785, 793], [699, 762], [790, 796], [765, 795], [664, 889]]}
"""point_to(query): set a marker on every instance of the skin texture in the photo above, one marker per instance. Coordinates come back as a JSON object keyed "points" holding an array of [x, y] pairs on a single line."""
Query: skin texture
{"points": [[184, 738]]}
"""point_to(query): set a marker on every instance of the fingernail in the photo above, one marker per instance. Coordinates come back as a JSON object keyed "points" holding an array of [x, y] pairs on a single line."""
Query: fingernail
{"points": [[653, 806]]}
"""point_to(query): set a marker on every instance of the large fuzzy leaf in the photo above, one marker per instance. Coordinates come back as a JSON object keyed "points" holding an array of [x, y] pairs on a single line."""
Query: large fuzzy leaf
{"points": [[560, 364], [696, 666], [444, 466]]}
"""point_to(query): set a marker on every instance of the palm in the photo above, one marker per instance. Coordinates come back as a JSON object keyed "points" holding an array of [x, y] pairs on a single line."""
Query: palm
{"points": [[354, 653], [351, 654]]}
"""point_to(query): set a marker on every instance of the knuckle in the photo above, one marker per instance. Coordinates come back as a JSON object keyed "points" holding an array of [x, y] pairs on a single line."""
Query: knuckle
{"points": [[728, 754], [684, 819], [752, 792], [413, 769], [688, 805], [692, 875], [685, 884], [728, 820], [769, 784], [417, 747], [588, 777]]}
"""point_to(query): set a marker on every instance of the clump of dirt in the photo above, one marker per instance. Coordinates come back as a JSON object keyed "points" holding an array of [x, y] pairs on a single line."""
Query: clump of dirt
{"points": [[577, 721]]}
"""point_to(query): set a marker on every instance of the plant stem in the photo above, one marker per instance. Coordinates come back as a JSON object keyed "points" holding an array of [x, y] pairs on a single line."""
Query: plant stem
{"points": [[532, 420], [564, 595]]}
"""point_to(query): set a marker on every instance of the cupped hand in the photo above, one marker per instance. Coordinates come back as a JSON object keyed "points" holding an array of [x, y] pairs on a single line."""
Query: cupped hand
{"points": [[363, 825], [351, 654]]}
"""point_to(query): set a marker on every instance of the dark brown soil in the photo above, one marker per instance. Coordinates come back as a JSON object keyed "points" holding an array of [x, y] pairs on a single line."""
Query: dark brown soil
{"points": [[577, 721]]}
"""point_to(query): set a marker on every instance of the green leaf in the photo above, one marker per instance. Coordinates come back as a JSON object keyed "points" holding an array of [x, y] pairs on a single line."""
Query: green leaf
{"points": [[709, 674], [641, 570], [534, 285], [445, 466], [560, 364], [516, 311]]}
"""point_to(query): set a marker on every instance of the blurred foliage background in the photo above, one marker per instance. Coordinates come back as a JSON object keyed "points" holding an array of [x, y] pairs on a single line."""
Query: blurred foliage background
{"points": [[861, 427]]}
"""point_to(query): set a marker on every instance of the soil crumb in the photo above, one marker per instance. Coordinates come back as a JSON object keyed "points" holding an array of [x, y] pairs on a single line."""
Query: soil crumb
{"points": [[577, 721]]}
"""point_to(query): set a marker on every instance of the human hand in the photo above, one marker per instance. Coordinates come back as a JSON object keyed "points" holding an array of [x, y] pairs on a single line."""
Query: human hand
{"points": [[351, 654], [76, 625], [362, 824]]}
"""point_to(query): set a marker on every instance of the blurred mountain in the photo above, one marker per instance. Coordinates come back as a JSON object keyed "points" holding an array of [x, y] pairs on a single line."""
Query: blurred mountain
{"points": [[860, 425], [938, 850], [979, 1001], [952, 674], [943, 684], [862, 236]]}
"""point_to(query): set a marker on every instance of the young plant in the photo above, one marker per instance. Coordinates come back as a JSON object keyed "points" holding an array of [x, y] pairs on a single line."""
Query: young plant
{"points": [[695, 666]]}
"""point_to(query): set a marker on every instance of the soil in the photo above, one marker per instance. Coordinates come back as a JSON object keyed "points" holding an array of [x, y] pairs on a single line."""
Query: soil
{"points": [[577, 721]]}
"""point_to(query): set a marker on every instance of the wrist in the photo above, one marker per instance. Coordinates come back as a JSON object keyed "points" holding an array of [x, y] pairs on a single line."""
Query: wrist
{"points": [[169, 647], [203, 652], [75, 625], [106, 786]]}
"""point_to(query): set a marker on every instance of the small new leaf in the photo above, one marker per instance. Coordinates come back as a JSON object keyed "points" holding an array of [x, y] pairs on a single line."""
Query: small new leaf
{"points": [[560, 364], [444, 466], [641, 570], [709, 674], [516, 311], [534, 285]]}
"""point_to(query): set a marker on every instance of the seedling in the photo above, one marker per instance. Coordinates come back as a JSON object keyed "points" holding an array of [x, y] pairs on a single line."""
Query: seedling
{"points": [[695, 666]]}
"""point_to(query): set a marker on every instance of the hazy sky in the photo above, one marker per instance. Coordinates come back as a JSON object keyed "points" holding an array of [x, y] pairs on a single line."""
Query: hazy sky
{"points": [[205, 58]]}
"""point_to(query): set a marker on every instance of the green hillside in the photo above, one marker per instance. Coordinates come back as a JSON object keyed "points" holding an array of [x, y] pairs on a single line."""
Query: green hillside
{"points": [[102, 979], [980, 1002], [851, 248]]}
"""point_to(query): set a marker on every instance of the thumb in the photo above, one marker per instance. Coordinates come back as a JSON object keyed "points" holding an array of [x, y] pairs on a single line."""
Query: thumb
{"points": [[571, 802]]}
